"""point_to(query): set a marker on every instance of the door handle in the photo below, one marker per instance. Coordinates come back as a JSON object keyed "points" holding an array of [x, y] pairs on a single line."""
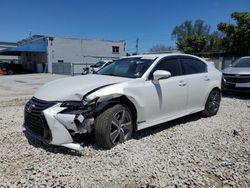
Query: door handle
{"points": [[206, 78], [182, 83]]}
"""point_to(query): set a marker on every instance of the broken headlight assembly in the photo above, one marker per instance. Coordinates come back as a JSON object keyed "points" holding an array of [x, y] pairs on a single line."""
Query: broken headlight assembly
{"points": [[79, 107], [78, 115]]}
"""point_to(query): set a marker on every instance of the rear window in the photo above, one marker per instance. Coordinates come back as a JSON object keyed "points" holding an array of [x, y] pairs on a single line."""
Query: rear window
{"points": [[193, 66]]}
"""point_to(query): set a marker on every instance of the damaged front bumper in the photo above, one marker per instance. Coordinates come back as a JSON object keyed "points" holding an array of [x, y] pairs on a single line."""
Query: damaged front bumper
{"points": [[58, 124]]}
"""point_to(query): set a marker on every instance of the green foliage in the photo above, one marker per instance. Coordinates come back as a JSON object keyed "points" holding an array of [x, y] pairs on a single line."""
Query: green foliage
{"points": [[192, 44], [236, 41], [187, 29], [195, 38], [214, 42]]}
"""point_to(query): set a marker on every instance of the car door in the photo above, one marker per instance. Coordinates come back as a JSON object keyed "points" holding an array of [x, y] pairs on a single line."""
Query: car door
{"points": [[198, 80], [168, 97]]}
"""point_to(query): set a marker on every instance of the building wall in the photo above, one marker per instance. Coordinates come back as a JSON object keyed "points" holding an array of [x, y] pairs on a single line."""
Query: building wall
{"points": [[82, 50]]}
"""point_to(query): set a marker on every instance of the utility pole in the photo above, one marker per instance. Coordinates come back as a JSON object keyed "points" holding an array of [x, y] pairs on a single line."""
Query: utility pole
{"points": [[30, 34], [137, 45]]}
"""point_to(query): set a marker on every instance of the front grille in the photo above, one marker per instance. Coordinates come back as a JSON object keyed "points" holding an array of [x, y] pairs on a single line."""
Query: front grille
{"points": [[34, 118], [234, 78]]}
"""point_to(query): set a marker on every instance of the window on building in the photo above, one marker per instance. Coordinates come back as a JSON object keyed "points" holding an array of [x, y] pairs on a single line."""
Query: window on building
{"points": [[115, 49]]}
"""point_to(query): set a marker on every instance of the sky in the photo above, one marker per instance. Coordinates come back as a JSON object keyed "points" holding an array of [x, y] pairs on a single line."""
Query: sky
{"points": [[152, 21]]}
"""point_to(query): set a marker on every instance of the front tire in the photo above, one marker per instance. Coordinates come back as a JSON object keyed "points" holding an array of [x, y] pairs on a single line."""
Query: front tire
{"points": [[213, 103], [113, 126]]}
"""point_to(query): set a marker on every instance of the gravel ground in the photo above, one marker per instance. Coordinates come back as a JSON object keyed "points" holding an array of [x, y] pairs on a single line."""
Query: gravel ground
{"points": [[189, 152]]}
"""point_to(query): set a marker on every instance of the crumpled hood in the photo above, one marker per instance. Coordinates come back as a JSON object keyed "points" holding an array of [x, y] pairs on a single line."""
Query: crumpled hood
{"points": [[236, 70], [74, 88]]}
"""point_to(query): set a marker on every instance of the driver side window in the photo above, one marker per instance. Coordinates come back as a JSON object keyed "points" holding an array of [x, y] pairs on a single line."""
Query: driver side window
{"points": [[171, 65]]}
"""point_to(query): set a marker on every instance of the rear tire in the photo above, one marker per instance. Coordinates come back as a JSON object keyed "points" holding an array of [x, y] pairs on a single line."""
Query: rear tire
{"points": [[113, 126], [213, 103]]}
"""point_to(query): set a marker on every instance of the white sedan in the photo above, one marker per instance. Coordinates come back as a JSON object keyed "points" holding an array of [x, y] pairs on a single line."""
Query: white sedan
{"points": [[131, 94], [99, 65]]}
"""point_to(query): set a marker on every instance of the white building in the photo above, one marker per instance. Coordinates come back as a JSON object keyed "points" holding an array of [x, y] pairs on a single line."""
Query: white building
{"points": [[38, 52]]}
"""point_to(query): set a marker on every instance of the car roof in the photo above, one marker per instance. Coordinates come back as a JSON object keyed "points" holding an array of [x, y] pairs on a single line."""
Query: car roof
{"points": [[105, 60], [245, 57], [161, 55]]}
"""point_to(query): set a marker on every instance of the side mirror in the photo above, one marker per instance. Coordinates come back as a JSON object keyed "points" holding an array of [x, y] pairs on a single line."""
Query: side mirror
{"points": [[160, 74]]}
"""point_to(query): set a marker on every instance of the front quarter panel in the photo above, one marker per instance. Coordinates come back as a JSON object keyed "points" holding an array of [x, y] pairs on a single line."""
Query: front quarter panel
{"points": [[126, 89]]}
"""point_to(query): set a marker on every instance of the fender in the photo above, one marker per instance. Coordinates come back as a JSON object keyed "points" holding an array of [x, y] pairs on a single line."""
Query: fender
{"points": [[107, 101]]}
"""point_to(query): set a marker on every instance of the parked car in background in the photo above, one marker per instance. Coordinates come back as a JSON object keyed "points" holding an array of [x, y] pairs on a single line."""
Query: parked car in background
{"points": [[92, 69], [99, 65], [130, 94], [10, 68], [237, 76]]}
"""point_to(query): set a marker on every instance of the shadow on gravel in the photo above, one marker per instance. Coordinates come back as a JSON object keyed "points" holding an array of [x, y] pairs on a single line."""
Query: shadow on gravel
{"points": [[160, 127], [237, 95], [88, 140]]}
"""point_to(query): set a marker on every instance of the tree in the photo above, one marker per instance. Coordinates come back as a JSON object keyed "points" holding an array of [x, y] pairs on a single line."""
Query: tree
{"points": [[194, 38], [193, 44], [161, 48], [236, 41], [187, 29], [215, 42]]}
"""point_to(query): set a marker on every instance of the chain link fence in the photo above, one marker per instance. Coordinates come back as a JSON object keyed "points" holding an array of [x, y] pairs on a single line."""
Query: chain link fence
{"points": [[67, 68]]}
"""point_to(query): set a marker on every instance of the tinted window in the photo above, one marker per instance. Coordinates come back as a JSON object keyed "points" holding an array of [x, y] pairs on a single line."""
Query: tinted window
{"points": [[193, 66], [171, 65]]}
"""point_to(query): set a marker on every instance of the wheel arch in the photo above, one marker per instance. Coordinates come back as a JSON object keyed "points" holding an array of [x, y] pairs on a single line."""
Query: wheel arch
{"points": [[112, 100], [215, 87]]}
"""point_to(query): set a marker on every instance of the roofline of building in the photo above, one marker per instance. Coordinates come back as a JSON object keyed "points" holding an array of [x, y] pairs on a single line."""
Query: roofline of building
{"points": [[75, 38], [72, 38]]}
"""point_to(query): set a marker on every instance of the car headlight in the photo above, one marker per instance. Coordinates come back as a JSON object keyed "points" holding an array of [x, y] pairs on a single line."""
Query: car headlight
{"points": [[74, 104], [223, 78], [80, 104], [79, 107]]}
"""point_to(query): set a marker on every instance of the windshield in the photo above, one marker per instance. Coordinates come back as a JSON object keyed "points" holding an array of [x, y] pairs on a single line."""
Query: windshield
{"points": [[99, 64], [127, 67], [243, 62]]}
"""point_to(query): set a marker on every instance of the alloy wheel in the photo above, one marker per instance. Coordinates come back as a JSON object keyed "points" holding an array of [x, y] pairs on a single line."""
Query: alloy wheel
{"points": [[214, 101], [121, 127]]}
